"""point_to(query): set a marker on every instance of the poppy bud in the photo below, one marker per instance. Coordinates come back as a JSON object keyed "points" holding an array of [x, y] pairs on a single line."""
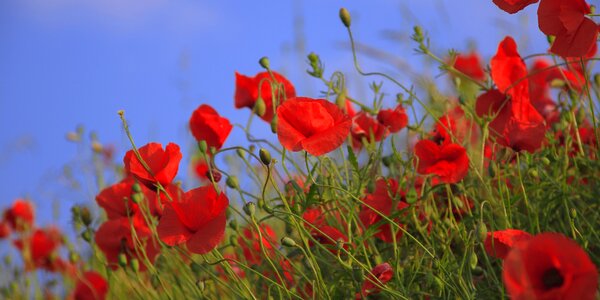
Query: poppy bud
{"points": [[597, 79], [533, 173], [473, 261], [313, 58], [213, 175], [86, 235], [265, 156], [232, 182], [264, 62], [345, 17], [411, 196], [201, 285], [481, 232], [233, 224], [135, 265], [137, 198], [545, 161], [573, 213], [241, 153], [288, 242], [274, 123], [260, 107], [387, 160], [340, 100], [203, 146], [121, 112], [76, 213], [250, 209], [122, 259], [86, 216], [477, 271], [136, 188]]}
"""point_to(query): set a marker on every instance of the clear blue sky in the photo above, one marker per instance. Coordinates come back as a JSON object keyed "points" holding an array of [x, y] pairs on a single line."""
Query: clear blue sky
{"points": [[70, 62]]}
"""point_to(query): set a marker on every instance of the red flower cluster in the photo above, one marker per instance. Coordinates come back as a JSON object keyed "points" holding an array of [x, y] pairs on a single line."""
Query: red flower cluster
{"points": [[499, 243], [91, 286], [20, 216], [516, 123], [470, 65], [448, 162], [321, 127], [264, 86], [379, 276]]}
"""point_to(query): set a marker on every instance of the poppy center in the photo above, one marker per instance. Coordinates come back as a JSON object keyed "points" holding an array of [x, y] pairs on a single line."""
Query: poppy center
{"points": [[552, 278]]}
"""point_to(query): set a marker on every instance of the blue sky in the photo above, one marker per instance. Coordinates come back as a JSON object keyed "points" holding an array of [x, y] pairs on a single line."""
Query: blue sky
{"points": [[65, 63]]}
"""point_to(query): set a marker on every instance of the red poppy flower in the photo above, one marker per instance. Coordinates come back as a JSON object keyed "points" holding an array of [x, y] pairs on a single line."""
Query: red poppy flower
{"points": [[314, 125], [39, 249], [92, 286], [513, 6], [455, 126], [366, 127], [251, 243], [470, 65], [549, 266], [565, 19], [321, 231], [349, 109], [197, 220], [115, 237], [448, 162], [5, 230], [499, 243], [117, 200], [379, 276], [207, 125], [247, 91], [20, 215], [516, 123], [163, 164], [387, 199], [539, 89], [394, 119]]}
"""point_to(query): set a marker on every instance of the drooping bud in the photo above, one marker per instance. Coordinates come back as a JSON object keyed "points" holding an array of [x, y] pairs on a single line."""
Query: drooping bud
{"points": [[250, 209], [232, 182], [122, 259], [135, 265], [345, 17], [481, 232], [288, 242], [86, 235], [86, 216], [264, 62], [274, 123], [265, 156], [260, 107], [203, 146]]}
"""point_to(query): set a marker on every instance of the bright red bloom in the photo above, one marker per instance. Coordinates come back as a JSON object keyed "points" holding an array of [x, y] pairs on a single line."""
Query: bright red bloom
{"points": [[207, 125], [380, 275], [163, 164], [387, 200], [394, 119], [115, 237], [365, 126], [20, 215], [455, 126], [314, 125], [470, 65], [565, 19], [513, 6], [39, 249], [321, 231], [112, 199], [92, 286], [197, 220], [5, 230], [251, 243], [448, 162], [499, 243], [549, 266], [247, 91], [516, 123]]}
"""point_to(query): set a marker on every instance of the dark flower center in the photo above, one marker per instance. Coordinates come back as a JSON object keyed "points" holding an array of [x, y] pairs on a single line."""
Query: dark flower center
{"points": [[552, 278]]}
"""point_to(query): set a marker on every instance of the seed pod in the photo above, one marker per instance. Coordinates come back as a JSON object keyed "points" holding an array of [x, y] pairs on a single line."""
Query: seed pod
{"points": [[345, 17], [265, 156], [264, 62]]}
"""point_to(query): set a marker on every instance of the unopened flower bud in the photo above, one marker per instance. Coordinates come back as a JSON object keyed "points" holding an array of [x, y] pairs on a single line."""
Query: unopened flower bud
{"points": [[313, 58], [135, 264], [265, 156], [86, 216], [481, 232], [232, 182], [250, 209], [545, 161], [86, 235], [136, 188], [241, 153], [473, 261], [345, 17], [264, 62], [122, 260], [274, 123], [288, 242], [411, 196], [137, 198], [203, 146], [260, 107]]}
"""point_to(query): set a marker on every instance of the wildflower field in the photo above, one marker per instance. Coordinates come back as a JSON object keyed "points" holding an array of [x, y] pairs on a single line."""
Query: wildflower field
{"points": [[488, 191]]}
